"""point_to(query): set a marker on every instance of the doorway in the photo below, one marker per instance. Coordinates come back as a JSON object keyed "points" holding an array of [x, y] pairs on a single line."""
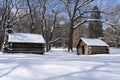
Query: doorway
{"points": [[83, 50]]}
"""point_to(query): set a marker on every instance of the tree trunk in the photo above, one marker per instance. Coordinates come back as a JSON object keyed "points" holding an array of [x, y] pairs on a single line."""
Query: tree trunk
{"points": [[70, 41], [48, 46], [1, 40], [32, 30], [31, 16]]}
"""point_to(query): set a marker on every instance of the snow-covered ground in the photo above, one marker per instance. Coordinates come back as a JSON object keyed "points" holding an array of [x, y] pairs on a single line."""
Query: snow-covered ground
{"points": [[60, 65]]}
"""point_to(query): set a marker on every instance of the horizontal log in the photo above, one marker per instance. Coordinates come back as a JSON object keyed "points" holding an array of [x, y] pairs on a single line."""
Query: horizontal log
{"points": [[38, 52], [26, 45]]}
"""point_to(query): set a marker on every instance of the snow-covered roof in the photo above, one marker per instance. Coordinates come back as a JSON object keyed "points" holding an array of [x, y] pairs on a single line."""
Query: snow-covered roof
{"points": [[25, 38], [94, 42]]}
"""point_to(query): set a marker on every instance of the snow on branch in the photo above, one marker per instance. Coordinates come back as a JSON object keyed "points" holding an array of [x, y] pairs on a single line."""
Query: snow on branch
{"points": [[12, 23], [92, 20], [65, 1], [20, 18], [55, 40], [14, 14], [84, 3], [88, 12], [114, 11], [58, 38], [52, 28]]}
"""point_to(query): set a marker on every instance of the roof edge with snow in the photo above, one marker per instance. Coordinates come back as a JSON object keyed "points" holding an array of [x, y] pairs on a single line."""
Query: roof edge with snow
{"points": [[94, 42], [25, 38]]}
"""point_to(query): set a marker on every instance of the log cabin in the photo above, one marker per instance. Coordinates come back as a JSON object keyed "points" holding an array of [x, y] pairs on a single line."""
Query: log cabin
{"points": [[87, 46], [24, 43]]}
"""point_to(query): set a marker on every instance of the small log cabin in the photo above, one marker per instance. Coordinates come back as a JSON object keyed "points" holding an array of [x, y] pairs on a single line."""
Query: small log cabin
{"points": [[24, 43], [87, 46]]}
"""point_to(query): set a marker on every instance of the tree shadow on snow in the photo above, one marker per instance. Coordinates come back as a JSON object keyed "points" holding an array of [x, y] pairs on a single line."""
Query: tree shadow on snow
{"points": [[88, 74], [12, 63]]}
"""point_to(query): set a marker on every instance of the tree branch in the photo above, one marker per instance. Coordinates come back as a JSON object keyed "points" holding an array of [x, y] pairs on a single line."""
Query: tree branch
{"points": [[14, 15], [11, 24], [67, 7], [84, 3], [88, 12], [75, 9], [92, 20]]}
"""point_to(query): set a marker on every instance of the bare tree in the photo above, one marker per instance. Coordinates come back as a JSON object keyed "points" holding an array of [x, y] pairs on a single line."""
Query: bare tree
{"points": [[48, 21], [31, 16], [112, 33], [7, 18], [73, 16], [75, 12]]}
